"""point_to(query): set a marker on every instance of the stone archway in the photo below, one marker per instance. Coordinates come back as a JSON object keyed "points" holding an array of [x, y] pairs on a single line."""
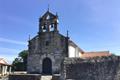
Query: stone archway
{"points": [[47, 66]]}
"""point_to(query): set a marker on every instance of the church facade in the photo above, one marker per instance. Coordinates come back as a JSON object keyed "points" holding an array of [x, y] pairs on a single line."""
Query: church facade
{"points": [[48, 49]]}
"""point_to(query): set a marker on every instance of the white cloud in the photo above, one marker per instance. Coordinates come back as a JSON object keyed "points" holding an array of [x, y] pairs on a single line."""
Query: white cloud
{"points": [[9, 54], [12, 41], [8, 50]]}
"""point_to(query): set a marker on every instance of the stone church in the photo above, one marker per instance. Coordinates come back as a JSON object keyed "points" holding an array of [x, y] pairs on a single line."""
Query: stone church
{"points": [[49, 48]]}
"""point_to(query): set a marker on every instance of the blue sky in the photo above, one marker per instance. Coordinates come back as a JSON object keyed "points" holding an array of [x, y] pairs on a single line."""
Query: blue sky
{"points": [[93, 24]]}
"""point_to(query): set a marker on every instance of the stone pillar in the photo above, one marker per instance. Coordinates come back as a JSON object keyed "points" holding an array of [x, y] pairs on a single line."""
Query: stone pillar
{"points": [[0, 70], [3, 70], [6, 69]]}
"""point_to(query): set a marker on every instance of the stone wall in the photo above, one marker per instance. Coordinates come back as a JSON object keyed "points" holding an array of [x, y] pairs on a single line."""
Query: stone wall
{"points": [[99, 68], [25, 77]]}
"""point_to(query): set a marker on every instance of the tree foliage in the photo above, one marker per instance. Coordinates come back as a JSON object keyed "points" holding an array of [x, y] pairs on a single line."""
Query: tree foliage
{"points": [[20, 63]]}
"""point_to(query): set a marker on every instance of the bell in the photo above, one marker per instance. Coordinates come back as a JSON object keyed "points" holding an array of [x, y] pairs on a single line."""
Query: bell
{"points": [[44, 27]]}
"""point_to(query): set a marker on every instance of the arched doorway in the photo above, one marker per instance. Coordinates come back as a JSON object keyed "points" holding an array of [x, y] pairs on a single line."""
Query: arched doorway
{"points": [[47, 66]]}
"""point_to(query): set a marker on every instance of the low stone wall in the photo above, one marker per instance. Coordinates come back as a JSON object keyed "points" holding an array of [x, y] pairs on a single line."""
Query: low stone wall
{"points": [[24, 77], [99, 68]]}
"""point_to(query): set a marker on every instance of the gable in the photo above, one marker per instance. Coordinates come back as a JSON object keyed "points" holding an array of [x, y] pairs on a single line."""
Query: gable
{"points": [[48, 15]]}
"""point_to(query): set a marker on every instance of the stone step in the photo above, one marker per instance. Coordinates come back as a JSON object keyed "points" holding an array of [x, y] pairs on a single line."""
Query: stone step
{"points": [[47, 77]]}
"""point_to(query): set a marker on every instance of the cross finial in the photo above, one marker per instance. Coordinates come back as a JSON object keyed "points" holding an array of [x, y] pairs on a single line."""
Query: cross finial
{"points": [[67, 33], [29, 37], [48, 7], [56, 14]]}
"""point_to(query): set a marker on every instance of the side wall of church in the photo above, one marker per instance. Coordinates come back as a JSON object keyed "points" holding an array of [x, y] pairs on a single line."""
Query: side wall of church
{"points": [[73, 51], [46, 45], [104, 68]]}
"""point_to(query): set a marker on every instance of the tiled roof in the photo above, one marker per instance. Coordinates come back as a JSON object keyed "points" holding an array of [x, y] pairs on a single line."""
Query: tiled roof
{"points": [[3, 62], [95, 54]]}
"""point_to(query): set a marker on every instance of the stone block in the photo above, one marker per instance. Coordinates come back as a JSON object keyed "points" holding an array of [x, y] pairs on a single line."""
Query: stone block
{"points": [[56, 77]]}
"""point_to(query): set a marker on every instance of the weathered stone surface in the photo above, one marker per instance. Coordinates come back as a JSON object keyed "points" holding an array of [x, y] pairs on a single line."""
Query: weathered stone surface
{"points": [[99, 68], [25, 77], [38, 51]]}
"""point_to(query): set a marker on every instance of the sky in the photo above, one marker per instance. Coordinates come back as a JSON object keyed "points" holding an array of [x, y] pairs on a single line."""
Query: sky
{"points": [[94, 25]]}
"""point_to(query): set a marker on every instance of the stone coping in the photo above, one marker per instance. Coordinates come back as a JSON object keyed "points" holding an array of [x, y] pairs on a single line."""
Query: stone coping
{"points": [[91, 60]]}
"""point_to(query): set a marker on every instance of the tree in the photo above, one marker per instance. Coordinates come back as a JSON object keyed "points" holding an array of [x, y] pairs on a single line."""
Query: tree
{"points": [[20, 63]]}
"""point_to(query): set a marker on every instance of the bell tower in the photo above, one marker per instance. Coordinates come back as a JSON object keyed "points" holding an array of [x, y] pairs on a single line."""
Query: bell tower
{"points": [[48, 22]]}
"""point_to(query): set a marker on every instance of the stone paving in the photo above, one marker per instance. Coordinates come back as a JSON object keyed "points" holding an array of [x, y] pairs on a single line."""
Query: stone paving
{"points": [[46, 77]]}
